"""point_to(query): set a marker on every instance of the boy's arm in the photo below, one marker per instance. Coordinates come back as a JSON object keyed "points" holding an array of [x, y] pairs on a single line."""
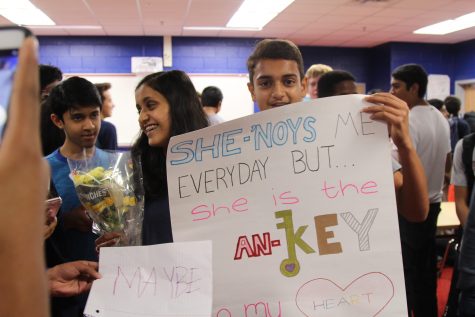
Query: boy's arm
{"points": [[461, 207], [24, 180], [412, 197], [459, 180]]}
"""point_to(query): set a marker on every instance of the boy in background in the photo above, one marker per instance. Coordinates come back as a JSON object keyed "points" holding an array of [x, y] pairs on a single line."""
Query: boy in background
{"points": [[313, 76], [336, 83], [50, 76], [431, 137], [107, 139], [51, 136], [211, 99]]}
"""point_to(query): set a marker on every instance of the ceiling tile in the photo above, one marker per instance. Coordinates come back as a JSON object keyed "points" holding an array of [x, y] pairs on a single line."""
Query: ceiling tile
{"points": [[324, 22]]}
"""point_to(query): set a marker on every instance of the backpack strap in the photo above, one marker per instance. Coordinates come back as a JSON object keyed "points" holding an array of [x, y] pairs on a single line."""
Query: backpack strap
{"points": [[468, 144]]}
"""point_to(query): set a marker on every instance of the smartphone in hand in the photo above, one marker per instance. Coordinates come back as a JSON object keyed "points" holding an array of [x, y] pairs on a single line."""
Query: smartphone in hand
{"points": [[52, 207], [11, 38]]}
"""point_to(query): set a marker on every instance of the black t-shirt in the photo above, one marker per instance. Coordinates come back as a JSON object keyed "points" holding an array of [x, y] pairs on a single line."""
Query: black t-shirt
{"points": [[156, 227]]}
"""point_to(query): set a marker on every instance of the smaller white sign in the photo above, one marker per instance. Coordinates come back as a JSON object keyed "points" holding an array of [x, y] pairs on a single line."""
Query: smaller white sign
{"points": [[141, 64], [438, 86], [172, 279]]}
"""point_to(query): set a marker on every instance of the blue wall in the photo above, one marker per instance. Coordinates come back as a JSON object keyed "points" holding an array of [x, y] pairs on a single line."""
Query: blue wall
{"points": [[435, 58], [229, 55], [354, 60], [112, 54], [464, 60], [379, 68]]}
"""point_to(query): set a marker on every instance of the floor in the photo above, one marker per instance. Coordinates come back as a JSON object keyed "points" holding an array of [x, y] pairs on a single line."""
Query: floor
{"points": [[443, 287]]}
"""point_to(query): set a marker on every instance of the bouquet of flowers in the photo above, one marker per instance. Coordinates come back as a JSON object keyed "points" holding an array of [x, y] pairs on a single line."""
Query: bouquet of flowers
{"points": [[109, 185]]}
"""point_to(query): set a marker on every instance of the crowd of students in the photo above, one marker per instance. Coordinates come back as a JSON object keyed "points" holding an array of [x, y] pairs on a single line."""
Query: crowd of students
{"points": [[168, 105]]}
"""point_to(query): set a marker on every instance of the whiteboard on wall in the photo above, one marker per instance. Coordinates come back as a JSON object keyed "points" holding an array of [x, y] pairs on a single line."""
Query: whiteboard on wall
{"points": [[237, 101]]}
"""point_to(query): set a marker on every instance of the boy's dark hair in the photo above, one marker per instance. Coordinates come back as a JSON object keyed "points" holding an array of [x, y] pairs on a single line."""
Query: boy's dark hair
{"points": [[211, 97], [186, 115], [452, 104], [75, 92], [274, 49], [412, 74], [328, 81], [101, 88], [49, 74], [437, 103]]}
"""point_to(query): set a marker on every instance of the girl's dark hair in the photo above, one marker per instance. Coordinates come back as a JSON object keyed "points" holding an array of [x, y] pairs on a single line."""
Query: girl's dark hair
{"points": [[186, 115]]}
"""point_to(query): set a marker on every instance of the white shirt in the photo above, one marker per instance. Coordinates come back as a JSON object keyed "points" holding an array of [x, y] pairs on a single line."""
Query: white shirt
{"points": [[430, 134]]}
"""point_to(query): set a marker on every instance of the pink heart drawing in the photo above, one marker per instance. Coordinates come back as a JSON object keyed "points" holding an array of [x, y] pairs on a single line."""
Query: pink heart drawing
{"points": [[366, 295]]}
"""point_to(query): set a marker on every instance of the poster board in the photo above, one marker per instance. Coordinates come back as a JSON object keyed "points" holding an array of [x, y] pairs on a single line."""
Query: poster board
{"points": [[237, 101], [299, 203]]}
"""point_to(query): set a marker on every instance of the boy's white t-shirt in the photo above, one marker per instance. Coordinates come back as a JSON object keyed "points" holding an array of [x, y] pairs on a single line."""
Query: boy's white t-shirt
{"points": [[430, 134]]}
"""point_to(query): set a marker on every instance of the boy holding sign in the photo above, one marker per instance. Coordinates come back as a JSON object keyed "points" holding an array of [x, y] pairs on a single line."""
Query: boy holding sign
{"points": [[277, 79]]}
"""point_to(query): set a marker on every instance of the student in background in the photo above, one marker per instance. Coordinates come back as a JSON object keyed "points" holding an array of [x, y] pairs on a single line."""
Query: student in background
{"points": [[469, 117], [50, 76], [458, 126], [107, 138], [313, 75], [429, 131], [276, 79], [51, 136], [168, 105], [439, 105], [211, 99], [336, 83]]}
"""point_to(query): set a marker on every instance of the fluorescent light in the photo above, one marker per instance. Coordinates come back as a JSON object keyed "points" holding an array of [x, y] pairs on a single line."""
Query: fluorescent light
{"points": [[463, 22], [218, 28], [257, 13], [71, 27], [23, 12]]}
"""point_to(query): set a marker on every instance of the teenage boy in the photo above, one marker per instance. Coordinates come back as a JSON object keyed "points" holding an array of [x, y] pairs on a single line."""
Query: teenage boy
{"points": [[277, 79], [76, 109], [431, 136]]}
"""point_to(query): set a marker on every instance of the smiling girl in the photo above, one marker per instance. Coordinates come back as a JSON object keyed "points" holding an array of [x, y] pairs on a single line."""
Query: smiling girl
{"points": [[168, 105]]}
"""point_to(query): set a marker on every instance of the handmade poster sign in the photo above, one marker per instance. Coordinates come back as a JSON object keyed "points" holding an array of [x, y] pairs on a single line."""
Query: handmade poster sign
{"points": [[160, 280], [299, 203]]}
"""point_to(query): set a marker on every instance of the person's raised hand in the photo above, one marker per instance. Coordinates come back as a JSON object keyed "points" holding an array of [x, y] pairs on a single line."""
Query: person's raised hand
{"points": [[395, 113]]}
